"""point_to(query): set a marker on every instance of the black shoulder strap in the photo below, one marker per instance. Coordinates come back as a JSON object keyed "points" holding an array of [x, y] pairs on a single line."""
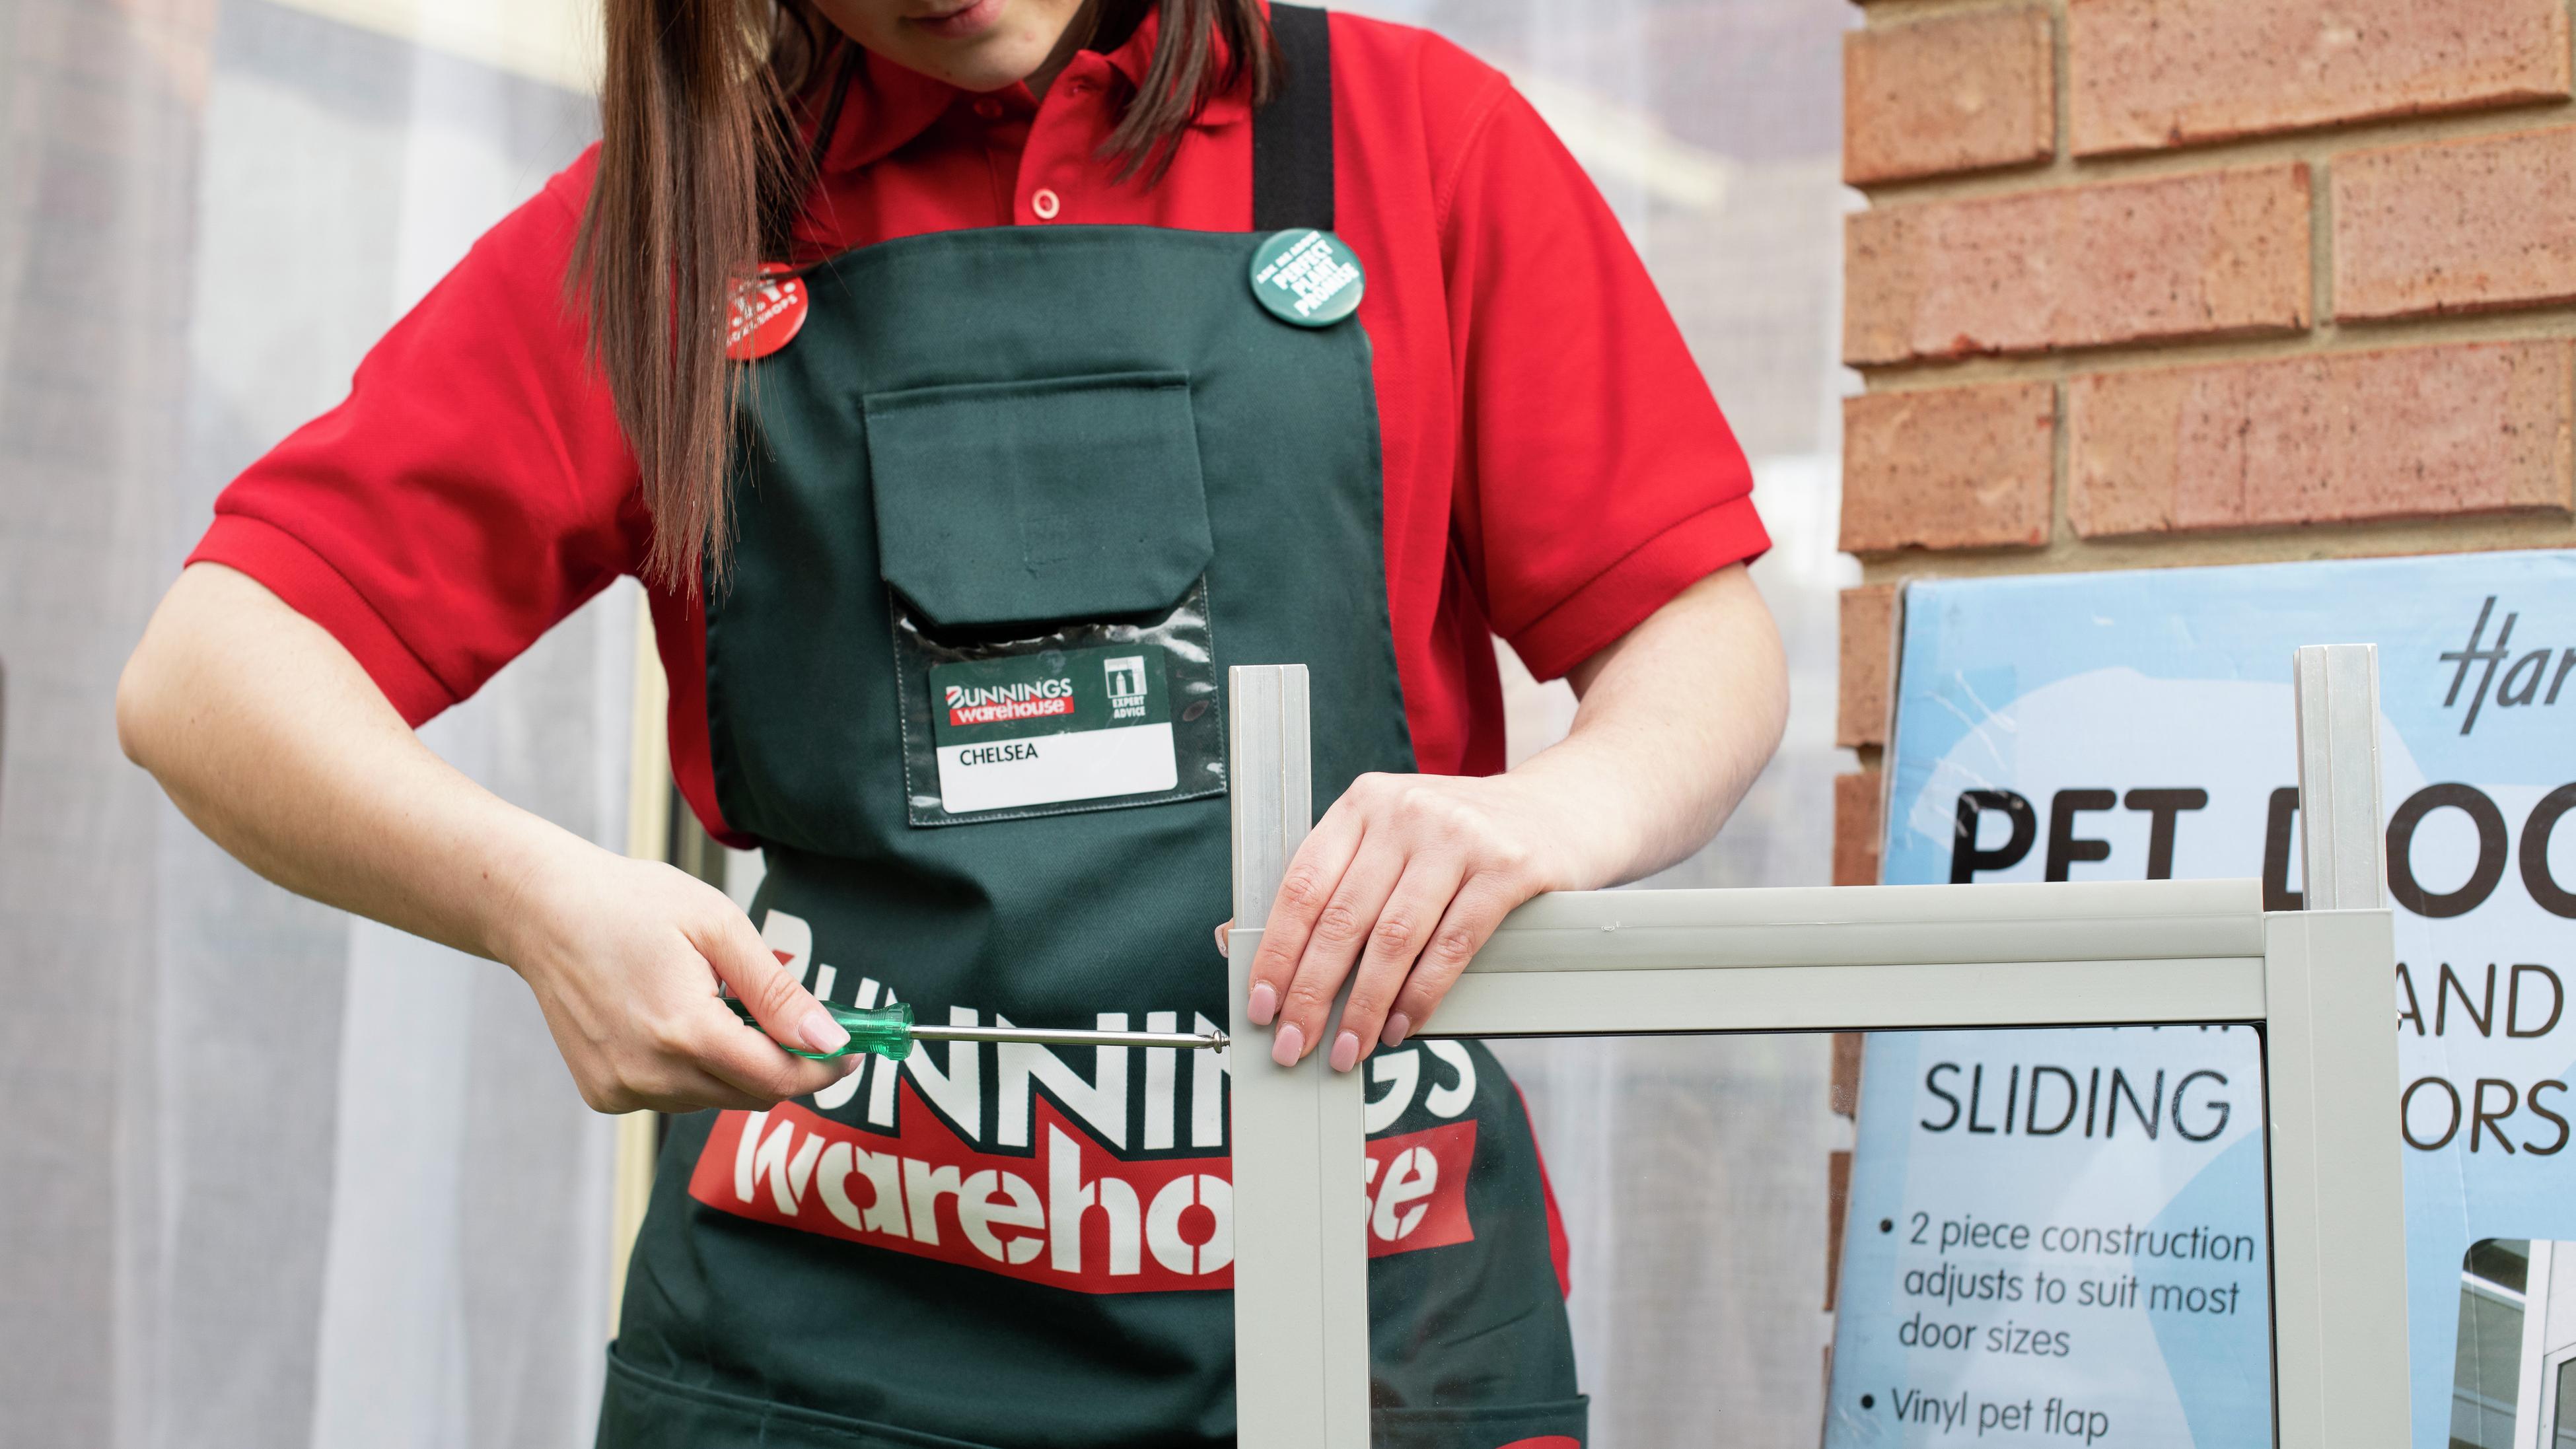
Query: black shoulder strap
{"points": [[1292, 137]]}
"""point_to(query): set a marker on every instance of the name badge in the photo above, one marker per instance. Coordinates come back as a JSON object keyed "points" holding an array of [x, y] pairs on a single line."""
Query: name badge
{"points": [[1042, 729]]}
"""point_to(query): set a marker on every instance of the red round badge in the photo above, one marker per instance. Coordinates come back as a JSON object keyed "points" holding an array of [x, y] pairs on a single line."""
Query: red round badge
{"points": [[767, 314]]}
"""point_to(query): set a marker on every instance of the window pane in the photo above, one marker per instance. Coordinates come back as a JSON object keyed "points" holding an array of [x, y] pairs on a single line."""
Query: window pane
{"points": [[2487, 1368], [2045, 1236], [2505, 1262]]}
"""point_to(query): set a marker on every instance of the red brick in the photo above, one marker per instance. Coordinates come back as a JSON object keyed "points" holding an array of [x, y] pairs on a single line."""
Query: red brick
{"points": [[1856, 827], [2210, 254], [1838, 1168], [1964, 467], [2145, 74], [1954, 93], [1868, 657], [2456, 226], [2422, 432], [1842, 1091]]}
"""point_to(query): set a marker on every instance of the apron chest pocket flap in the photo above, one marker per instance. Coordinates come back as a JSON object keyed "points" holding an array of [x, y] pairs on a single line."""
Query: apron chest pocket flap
{"points": [[1047, 546], [1029, 502]]}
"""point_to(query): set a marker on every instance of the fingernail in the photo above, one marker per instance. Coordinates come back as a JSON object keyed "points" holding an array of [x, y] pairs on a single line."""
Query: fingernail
{"points": [[1398, 1027], [1346, 1051], [821, 1033], [1262, 1005], [1288, 1045]]}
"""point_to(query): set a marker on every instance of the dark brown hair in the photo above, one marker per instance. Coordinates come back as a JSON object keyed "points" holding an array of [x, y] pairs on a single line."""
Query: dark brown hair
{"points": [[703, 166]]}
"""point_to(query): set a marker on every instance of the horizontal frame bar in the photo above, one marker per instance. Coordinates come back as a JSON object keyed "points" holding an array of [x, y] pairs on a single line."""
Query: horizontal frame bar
{"points": [[1853, 998], [1882, 925], [1617, 998]]}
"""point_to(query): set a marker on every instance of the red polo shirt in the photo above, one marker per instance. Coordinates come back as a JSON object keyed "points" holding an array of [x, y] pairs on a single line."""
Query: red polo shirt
{"points": [[1555, 467]]}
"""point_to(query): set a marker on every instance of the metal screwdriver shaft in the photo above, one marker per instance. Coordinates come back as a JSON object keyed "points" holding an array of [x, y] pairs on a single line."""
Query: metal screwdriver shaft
{"points": [[1188, 1041], [888, 1031]]}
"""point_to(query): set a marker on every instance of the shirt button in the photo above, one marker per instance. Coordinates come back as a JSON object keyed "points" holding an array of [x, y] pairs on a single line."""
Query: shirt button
{"points": [[1046, 204], [989, 108]]}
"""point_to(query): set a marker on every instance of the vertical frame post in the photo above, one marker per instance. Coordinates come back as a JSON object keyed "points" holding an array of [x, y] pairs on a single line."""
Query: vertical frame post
{"points": [[2338, 1197], [1301, 1298], [2336, 694], [2338, 1192]]}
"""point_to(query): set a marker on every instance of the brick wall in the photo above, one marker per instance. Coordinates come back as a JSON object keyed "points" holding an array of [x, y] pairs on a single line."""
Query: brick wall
{"points": [[2160, 282]]}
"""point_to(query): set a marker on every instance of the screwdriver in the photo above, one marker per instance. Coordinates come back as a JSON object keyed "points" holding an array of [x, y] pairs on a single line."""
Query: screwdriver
{"points": [[888, 1031]]}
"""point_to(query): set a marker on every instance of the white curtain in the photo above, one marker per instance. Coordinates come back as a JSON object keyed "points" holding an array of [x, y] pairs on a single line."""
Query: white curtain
{"points": [[1691, 1170], [269, 1176], [272, 1177]]}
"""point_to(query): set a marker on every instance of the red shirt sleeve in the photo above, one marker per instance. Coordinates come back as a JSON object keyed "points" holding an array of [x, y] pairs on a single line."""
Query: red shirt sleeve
{"points": [[1597, 478], [472, 490]]}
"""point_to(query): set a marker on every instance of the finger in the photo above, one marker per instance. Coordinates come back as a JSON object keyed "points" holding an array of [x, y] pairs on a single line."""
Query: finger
{"points": [[750, 1063], [705, 1091], [1313, 873], [1479, 907], [1224, 946], [1341, 930], [693, 1089], [669, 1081], [1413, 910], [784, 1008]]}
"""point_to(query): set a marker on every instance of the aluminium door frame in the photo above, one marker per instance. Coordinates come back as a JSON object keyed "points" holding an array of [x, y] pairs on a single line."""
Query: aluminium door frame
{"points": [[1871, 958], [2535, 1412]]}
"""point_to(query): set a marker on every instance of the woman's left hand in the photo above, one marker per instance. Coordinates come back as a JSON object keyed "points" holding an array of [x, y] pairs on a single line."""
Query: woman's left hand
{"points": [[1404, 877]]}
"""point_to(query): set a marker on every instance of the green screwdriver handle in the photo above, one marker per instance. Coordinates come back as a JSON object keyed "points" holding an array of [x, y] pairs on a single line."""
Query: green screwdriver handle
{"points": [[884, 1030]]}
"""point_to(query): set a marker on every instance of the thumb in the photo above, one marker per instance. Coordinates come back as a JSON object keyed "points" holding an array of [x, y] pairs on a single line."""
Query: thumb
{"points": [[784, 1009]]}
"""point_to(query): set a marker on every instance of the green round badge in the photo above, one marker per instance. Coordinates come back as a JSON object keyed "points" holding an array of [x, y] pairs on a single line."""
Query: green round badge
{"points": [[1307, 277]]}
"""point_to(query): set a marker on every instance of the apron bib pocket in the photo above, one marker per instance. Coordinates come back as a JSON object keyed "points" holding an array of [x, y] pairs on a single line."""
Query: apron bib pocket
{"points": [[1045, 547], [643, 1408], [1558, 1425]]}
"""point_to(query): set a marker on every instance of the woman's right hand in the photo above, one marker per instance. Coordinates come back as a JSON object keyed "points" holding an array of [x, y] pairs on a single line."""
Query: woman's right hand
{"points": [[625, 957], [268, 735]]}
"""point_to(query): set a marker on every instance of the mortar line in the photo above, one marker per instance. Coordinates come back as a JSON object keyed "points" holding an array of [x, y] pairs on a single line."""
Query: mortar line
{"points": [[2313, 144], [2532, 324], [2216, 548]]}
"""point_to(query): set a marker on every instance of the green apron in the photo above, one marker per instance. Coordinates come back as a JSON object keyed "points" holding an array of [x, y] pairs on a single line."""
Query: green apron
{"points": [[1050, 482]]}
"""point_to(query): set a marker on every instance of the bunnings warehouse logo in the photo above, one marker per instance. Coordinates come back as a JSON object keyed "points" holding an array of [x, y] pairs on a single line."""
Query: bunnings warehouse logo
{"points": [[2522, 681], [970, 704]]}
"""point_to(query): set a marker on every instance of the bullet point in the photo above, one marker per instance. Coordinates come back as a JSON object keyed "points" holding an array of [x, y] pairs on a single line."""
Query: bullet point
{"points": [[1868, 1401], [1886, 1225]]}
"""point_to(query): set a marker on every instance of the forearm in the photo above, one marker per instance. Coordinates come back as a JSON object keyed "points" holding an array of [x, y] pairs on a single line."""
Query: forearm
{"points": [[1676, 719], [273, 741]]}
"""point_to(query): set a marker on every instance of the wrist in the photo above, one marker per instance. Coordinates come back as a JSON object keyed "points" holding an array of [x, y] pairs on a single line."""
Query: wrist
{"points": [[1584, 823], [531, 881]]}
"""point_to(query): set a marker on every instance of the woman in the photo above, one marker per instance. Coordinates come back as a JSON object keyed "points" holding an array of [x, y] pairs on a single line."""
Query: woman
{"points": [[1063, 408]]}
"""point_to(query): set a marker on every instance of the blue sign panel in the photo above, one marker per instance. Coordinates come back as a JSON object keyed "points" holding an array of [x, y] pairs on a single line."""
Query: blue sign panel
{"points": [[2137, 725]]}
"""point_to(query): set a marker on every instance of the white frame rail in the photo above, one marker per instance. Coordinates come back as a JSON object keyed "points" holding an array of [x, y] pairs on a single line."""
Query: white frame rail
{"points": [[1872, 958]]}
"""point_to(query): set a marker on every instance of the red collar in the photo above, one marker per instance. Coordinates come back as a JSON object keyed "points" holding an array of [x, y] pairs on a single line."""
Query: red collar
{"points": [[1228, 106], [889, 106]]}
